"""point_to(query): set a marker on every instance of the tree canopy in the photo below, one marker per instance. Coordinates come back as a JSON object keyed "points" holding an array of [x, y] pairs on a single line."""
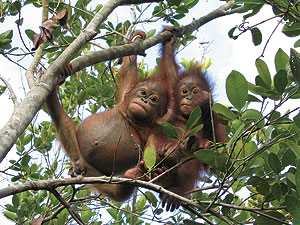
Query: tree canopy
{"points": [[255, 176]]}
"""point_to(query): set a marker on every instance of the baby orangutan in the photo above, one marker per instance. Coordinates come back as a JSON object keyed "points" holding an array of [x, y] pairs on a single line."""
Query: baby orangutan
{"points": [[111, 142], [192, 89]]}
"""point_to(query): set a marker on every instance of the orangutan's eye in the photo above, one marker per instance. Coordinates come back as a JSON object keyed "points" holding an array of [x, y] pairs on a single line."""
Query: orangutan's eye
{"points": [[184, 91], [153, 99], [143, 92]]}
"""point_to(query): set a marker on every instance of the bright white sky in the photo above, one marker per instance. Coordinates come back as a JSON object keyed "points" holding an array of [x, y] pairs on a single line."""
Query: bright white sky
{"points": [[226, 54]]}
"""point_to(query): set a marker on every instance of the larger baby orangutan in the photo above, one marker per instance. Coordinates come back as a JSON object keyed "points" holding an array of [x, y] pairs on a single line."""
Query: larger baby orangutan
{"points": [[111, 142], [192, 90]]}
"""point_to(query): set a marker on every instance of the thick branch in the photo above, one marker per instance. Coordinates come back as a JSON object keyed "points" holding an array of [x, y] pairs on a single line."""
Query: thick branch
{"points": [[52, 184]]}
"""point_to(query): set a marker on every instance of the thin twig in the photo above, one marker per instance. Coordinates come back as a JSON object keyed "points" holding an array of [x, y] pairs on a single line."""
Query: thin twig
{"points": [[75, 216], [11, 91]]}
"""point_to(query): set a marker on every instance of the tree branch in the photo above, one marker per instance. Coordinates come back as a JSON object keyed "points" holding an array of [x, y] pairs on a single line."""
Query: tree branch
{"points": [[75, 216], [82, 62], [52, 184]]}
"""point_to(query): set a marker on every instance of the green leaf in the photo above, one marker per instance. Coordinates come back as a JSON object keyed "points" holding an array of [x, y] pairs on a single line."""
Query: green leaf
{"points": [[231, 31], [221, 109], [260, 82], [280, 81], [98, 7], [25, 160], [169, 130], [260, 184], [15, 200], [268, 221], [113, 212], [86, 215], [253, 115], [238, 185], [179, 16], [297, 180], [236, 134], [274, 163], [292, 30], [293, 206], [2, 89], [82, 96], [297, 44], [182, 9], [295, 64], [29, 34], [106, 92], [174, 2], [256, 36], [27, 139], [149, 157], [237, 89], [11, 208], [276, 191], [297, 119], [91, 91], [190, 3], [212, 158], [295, 148], [291, 177], [19, 21], [228, 199], [193, 118], [151, 198], [10, 215], [281, 60], [14, 8], [258, 90], [151, 33], [141, 202], [255, 7], [194, 131], [263, 71], [288, 158], [6, 35]]}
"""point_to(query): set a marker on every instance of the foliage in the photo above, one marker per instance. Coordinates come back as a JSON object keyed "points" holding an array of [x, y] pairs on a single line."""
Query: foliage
{"points": [[261, 158]]}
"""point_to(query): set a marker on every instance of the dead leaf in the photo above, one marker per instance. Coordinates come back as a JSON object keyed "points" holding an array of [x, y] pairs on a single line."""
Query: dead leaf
{"points": [[47, 29], [50, 25], [37, 41], [62, 17]]}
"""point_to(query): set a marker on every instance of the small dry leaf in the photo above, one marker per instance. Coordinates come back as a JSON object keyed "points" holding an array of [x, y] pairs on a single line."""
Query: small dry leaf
{"points": [[47, 29], [37, 41], [47, 35], [62, 17], [50, 25]]}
